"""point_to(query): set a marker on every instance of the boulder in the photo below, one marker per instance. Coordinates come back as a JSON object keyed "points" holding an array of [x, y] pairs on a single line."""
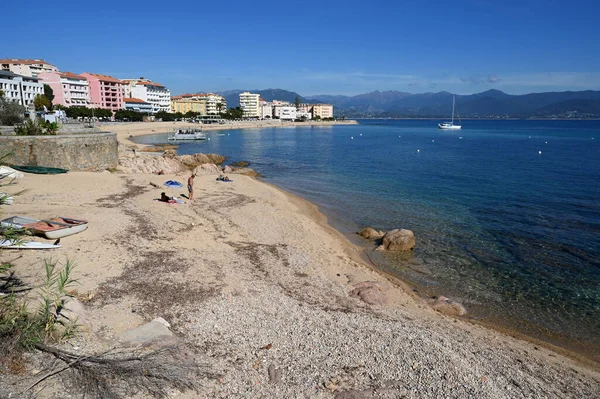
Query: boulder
{"points": [[171, 153], [150, 164], [448, 306], [370, 233], [398, 240], [207, 169], [198, 159], [228, 169], [247, 172], [368, 292], [157, 331]]}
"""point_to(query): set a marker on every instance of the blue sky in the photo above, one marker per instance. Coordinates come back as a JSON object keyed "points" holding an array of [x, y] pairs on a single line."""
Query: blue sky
{"points": [[318, 47]]}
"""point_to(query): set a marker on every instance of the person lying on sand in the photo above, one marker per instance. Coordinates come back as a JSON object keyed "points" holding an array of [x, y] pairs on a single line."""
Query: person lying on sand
{"points": [[164, 197]]}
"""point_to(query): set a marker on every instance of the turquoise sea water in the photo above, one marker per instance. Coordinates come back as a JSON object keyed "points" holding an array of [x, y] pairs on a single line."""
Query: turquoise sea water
{"points": [[512, 233]]}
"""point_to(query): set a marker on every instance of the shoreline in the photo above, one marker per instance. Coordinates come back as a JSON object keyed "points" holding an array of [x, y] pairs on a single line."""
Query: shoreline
{"points": [[249, 264], [572, 349]]}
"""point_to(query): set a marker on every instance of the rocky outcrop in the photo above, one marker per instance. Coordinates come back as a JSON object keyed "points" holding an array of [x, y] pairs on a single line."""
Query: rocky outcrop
{"points": [[207, 169], [199, 159], [398, 240], [448, 306], [370, 233], [247, 172], [142, 163]]}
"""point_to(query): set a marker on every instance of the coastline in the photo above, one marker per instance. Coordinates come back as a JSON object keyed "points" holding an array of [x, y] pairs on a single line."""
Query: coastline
{"points": [[247, 265], [254, 278], [573, 349]]}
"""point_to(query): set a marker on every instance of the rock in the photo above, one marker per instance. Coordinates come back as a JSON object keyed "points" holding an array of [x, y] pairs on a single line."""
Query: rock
{"points": [[75, 311], [448, 306], [198, 159], [398, 240], [157, 331], [241, 164], [228, 169], [171, 153], [370, 233], [207, 169], [247, 172], [369, 292]]}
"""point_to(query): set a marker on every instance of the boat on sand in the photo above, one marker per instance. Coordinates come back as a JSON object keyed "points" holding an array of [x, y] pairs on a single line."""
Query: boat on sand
{"points": [[52, 228], [16, 244], [40, 170]]}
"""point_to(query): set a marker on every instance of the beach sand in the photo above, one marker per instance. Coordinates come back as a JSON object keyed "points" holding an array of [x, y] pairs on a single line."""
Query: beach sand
{"points": [[275, 301]]}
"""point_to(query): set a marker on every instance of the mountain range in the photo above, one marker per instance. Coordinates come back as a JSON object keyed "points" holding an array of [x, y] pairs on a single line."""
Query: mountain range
{"points": [[488, 104]]}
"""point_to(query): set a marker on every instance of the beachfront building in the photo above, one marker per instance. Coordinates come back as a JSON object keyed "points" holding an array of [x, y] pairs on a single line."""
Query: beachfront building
{"points": [[203, 103], [154, 93], [138, 105], [266, 109], [20, 89], [250, 104], [284, 112], [105, 91], [70, 90], [29, 68], [317, 110]]}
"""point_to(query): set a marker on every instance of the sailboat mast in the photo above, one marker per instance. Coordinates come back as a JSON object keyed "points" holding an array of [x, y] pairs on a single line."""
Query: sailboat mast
{"points": [[453, 99]]}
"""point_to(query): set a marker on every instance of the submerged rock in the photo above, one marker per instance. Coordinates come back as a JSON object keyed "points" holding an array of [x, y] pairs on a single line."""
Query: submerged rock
{"points": [[370, 233], [448, 306], [398, 240]]}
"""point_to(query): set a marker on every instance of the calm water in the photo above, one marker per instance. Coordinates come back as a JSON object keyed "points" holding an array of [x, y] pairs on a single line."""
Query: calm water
{"points": [[512, 233]]}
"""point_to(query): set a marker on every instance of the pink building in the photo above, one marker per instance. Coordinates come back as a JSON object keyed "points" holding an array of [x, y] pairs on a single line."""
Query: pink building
{"points": [[105, 91], [69, 89]]}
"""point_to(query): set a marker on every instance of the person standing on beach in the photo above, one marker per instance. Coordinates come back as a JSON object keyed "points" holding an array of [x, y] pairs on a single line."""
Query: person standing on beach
{"points": [[191, 186]]}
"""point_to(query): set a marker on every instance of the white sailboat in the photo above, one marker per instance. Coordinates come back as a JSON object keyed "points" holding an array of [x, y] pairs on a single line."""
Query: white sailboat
{"points": [[450, 125]]}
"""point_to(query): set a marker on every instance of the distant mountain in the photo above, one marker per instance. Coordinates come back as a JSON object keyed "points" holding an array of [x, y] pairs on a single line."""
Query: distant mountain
{"points": [[488, 104], [233, 96]]}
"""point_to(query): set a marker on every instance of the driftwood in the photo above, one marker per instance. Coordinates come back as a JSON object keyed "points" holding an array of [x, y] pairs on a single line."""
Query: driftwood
{"points": [[125, 372]]}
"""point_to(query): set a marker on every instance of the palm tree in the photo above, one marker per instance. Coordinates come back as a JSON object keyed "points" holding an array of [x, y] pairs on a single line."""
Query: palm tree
{"points": [[219, 107]]}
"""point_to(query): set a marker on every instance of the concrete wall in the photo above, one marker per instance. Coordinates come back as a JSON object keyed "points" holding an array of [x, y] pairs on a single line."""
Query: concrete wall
{"points": [[83, 152]]}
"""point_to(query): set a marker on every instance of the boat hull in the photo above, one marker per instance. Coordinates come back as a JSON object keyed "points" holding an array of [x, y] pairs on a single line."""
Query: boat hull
{"points": [[13, 244], [449, 127], [40, 170], [52, 229]]}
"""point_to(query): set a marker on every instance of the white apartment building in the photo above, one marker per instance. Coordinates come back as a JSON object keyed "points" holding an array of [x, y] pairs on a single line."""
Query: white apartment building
{"points": [[215, 104], [154, 93], [69, 89], [250, 105], [30, 68], [266, 109], [20, 89], [285, 112]]}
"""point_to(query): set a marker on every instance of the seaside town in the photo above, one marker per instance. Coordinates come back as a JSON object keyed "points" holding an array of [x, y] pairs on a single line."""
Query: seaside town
{"points": [[22, 81], [143, 256]]}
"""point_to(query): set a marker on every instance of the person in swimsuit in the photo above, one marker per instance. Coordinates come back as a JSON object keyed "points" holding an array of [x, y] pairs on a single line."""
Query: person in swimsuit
{"points": [[190, 187]]}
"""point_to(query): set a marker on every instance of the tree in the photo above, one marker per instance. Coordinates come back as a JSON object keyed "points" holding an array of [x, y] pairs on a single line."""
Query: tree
{"points": [[233, 113], [11, 113], [129, 115], [40, 101], [297, 102], [219, 107], [49, 93]]}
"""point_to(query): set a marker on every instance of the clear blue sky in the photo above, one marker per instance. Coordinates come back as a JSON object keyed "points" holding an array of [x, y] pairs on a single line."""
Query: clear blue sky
{"points": [[317, 47]]}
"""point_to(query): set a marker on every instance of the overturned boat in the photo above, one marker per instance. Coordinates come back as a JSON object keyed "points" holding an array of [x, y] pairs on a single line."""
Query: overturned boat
{"points": [[50, 228]]}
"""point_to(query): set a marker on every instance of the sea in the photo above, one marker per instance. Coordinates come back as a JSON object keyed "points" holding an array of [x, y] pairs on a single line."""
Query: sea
{"points": [[506, 213]]}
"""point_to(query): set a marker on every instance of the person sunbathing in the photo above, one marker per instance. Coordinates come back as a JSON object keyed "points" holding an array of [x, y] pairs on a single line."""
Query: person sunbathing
{"points": [[164, 197]]}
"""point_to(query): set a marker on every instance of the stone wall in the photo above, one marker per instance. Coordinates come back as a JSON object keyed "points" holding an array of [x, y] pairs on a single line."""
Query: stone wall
{"points": [[83, 152]]}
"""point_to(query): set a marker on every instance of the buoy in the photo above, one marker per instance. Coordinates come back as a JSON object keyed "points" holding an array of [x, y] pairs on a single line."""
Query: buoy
{"points": [[352, 138], [418, 150], [433, 141], [546, 142], [539, 152], [360, 134], [460, 138]]}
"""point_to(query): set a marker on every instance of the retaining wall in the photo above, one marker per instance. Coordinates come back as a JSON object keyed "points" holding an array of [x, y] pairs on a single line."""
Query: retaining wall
{"points": [[83, 152]]}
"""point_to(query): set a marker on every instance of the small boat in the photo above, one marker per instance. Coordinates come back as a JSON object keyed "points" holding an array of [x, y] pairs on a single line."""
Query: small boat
{"points": [[450, 125], [188, 134], [53, 228], [40, 170], [15, 244]]}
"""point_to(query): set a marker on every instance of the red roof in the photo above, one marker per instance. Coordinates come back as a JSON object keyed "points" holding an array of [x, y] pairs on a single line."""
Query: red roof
{"points": [[150, 83], [19, 61], [71, 75], [104, 78], [134, 100]]}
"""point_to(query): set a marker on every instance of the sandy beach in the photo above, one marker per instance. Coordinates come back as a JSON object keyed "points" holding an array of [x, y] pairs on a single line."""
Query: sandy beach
{"points": [[275, 302]]}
